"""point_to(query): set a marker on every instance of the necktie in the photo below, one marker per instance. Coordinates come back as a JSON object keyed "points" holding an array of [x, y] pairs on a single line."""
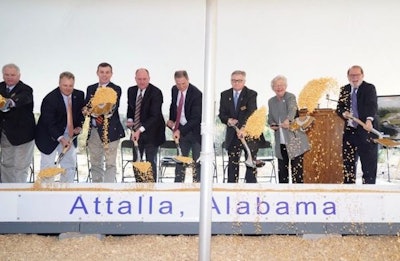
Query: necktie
{"points": [[70, 122], [236, 98], [8, 90], [354, 108], [179, 111], [99, 120], [136, 121]]}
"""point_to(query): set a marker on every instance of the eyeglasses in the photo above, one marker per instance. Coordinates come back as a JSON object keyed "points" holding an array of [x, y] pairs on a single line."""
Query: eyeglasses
{"points": [[355, 75], [236, 81]]}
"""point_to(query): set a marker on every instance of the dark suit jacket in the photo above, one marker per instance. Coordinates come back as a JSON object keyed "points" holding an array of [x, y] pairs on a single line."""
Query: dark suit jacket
{"points": [[367, 104], [247, 104], [18, 123], [115, 129], [53, 119], [150, 114], [193, 110]]}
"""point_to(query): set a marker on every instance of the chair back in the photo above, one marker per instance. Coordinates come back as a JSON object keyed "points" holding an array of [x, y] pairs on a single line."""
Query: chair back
{"points": [[127, 151]]}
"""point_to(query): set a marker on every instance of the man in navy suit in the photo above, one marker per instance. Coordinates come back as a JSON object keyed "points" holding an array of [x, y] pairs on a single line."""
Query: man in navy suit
{"points": [[52, 131], [149, 131], [17, 126], [237, 114], [185, 125], [99, 153], [358, 98]]}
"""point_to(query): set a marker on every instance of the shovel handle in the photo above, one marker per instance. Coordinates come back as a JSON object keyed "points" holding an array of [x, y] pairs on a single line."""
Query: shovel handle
{"points": [[376, 132], [178, 147]]}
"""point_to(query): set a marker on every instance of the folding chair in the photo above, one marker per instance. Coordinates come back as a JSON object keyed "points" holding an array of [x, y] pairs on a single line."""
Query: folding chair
{"points": [[166, 153], [225, 161], [215, 176], [127, 157], [266, 154]]}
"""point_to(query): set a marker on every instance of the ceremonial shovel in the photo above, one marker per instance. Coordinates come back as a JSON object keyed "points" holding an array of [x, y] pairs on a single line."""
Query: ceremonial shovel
{"points": [[178, 148], [65, 149], [249, 161], [137, 152]]}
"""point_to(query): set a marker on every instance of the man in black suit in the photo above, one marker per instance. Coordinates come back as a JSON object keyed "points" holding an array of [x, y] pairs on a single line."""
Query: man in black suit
{"points": [[236, 105], [98, 151], [17, 125], [185, 123], [56, 128], [145, 117], [358, 98]]}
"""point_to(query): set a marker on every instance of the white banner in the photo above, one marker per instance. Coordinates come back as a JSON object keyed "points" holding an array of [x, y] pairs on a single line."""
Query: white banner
{"points": [[180, 203]]}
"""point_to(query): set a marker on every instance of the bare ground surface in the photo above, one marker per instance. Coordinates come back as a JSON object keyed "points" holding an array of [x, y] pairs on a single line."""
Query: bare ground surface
{"points": [[144, 247]]}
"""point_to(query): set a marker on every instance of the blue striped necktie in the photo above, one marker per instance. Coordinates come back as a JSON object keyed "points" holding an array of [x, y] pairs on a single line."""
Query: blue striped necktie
{"points": [[235, 99], [354, 109]]}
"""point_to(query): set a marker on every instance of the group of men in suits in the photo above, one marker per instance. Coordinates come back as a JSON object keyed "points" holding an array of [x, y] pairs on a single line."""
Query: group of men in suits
{"points": [[62, 114], [64, 108]]}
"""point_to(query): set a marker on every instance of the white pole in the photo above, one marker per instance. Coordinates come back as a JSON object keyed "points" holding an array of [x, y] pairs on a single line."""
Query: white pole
{"points": [[207, 130]]}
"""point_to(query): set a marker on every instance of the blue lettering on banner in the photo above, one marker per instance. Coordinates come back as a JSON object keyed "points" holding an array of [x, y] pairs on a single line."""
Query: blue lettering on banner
{"points": [[261, 207], [222, 205], [123, 207]]}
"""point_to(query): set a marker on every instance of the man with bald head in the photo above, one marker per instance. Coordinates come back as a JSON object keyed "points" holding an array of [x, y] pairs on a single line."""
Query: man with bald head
{"points": [[145, 117]]}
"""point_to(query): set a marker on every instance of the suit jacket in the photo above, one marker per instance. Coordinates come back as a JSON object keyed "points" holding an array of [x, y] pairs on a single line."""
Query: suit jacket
{"points": [[296, 141], [18, 123], [53, 119], [367, 103], [193, 110], [150, 114], [115, 129], [247, 104]]}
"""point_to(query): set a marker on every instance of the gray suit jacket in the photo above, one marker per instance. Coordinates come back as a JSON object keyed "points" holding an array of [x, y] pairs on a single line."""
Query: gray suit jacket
{"points": [[296, 141]]}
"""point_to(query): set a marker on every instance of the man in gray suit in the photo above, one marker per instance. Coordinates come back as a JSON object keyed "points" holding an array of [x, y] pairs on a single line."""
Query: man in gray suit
{"points": [[289, 145]]}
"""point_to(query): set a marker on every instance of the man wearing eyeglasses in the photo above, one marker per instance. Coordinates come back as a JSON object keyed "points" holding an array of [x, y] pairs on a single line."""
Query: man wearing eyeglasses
{"points": [[236, 105], [358, 99]]}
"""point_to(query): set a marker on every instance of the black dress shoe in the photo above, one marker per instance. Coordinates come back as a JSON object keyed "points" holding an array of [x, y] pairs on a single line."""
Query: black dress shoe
{"points": [[260, 163]]}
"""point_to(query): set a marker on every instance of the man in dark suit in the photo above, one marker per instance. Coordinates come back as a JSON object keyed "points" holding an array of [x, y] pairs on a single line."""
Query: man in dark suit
{"points": [[358, 98], [185, 123], [101, 150], [17, 125], [53, 132], [236, 105], [145, 117]]}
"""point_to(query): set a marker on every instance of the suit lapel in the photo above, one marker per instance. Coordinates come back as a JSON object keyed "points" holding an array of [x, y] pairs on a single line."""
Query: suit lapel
{"points": [[188, 98]]}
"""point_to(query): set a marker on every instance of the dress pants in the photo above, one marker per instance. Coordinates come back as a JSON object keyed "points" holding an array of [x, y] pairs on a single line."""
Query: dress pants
{"points": [[234, 152], [358, 143], [100, 155], [187, 143], [15, 160], [68, 162], [296, 167], [151, 156]]}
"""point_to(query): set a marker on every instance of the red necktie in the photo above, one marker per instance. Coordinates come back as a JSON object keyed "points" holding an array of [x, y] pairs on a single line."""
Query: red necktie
{"points": [[70, 122], [179, 111]]}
